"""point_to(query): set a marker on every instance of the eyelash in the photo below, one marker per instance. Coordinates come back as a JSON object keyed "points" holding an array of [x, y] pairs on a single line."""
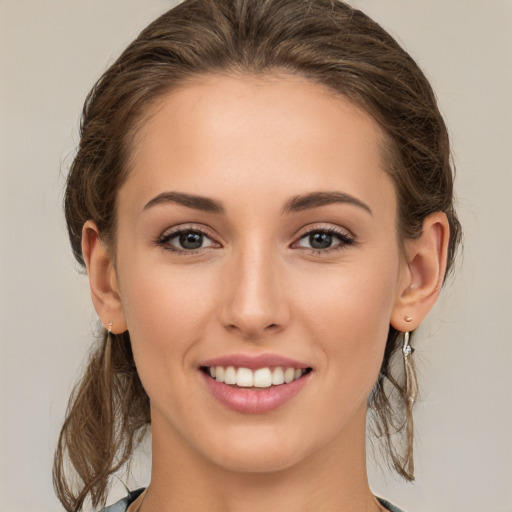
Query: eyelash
{"points": [[344, 238], [164, 240]]}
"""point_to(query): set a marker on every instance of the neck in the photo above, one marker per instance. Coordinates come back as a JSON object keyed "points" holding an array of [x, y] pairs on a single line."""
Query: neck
{"points": [[331, 478]]}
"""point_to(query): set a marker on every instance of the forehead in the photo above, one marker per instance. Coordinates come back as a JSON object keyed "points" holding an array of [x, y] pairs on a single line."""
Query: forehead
{"points": [[233, 134]]}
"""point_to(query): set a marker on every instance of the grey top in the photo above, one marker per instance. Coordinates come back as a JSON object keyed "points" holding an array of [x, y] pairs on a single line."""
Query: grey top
{"points": [[124, 503]]}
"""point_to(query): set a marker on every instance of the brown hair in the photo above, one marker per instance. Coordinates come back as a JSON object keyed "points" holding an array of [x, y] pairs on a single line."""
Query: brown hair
{"points": [[326, 41]]}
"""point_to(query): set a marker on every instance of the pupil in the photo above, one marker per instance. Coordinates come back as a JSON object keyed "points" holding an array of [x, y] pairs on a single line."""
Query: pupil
{"points": [[320, 240], [191, 240]]}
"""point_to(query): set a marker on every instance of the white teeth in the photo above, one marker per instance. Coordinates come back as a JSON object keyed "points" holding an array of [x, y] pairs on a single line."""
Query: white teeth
{"points": [[263, 378], [219, 373], [230, 375], [289, 374], [244, 378], [277, 376], [260, 378]]}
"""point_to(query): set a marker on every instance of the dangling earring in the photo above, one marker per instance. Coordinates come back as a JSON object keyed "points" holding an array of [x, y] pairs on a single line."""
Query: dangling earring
{"points": [[107, 353], [411, 384], [410, 394]]}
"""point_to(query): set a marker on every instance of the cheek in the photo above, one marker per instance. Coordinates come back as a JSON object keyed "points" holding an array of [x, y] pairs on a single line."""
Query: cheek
{"points": [[166, 310], [348, 312], [167, 313]]}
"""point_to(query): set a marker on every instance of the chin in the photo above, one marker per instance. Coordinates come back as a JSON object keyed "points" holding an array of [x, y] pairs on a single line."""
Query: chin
{"points": [[258, 453], [263, 461]]}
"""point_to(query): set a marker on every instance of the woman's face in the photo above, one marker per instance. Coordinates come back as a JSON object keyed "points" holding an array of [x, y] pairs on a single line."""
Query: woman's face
{"points": [[256, 230]]}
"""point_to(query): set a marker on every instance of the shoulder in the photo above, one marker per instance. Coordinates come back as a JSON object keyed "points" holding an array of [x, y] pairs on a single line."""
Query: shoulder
{"points": [[388, 506], [124, 503]]}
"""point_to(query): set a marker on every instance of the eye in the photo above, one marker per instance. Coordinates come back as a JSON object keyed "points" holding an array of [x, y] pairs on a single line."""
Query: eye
{"points": [[186, 240], [324, 240]]}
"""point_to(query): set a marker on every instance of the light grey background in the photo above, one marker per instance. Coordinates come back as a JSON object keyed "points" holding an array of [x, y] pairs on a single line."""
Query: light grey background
{"points": [[51, 53]]}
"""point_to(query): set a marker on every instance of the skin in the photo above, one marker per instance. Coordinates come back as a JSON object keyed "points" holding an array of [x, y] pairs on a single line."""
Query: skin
{"points": [[256, 286]]}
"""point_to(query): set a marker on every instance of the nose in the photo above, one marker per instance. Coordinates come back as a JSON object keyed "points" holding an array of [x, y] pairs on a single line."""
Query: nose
{"points": [[255, 303]]}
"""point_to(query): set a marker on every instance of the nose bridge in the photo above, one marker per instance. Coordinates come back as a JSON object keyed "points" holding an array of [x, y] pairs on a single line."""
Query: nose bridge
{"points": [[255, 302]]}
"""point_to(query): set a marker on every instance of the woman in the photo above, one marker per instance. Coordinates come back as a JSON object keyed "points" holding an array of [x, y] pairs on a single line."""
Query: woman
{"points": [[262, 198]]}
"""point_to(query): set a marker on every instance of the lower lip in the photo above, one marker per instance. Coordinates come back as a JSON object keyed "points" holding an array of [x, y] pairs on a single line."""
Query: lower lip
{"points": [[254, 401]]}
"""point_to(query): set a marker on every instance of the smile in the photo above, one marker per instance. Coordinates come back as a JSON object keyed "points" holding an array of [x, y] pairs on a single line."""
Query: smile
{"points": [[251, 384], [258, 378]]}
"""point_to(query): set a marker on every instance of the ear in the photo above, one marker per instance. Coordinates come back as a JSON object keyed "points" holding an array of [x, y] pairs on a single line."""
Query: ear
{"points": [[102, 280], [422, 273]]}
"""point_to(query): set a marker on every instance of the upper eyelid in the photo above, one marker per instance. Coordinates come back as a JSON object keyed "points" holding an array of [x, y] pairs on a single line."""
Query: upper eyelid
{"points": [[344, 238], [176, 230], [325, 227]]}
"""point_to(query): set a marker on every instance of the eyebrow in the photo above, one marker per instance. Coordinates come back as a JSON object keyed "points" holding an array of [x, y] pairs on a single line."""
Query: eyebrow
{"points": [[190, 201], [317, 199], [295, 204]]}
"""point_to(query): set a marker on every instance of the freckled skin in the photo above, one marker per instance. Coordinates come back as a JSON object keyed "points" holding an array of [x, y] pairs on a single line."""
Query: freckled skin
{"points": [[252, 144]]}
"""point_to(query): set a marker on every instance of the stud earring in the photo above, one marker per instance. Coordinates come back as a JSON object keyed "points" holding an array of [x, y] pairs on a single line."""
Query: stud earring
{"points": [[109, 327], [408, 318]]}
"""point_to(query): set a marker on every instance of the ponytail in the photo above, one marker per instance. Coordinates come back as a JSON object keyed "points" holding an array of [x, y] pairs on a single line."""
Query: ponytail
{"points": [[104, 422]]}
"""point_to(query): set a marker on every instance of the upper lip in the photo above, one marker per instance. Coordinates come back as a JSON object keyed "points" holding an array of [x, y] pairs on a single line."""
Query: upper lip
{"points": [[253, 362]]}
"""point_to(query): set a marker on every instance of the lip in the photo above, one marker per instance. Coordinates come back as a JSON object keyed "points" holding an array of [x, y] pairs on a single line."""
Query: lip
{"points": [[254, 401], [253, 362]]}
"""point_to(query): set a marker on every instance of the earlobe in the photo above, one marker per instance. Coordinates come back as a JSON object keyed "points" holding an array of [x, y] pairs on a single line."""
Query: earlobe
{"points": [[423, 273], [102, 279]]}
